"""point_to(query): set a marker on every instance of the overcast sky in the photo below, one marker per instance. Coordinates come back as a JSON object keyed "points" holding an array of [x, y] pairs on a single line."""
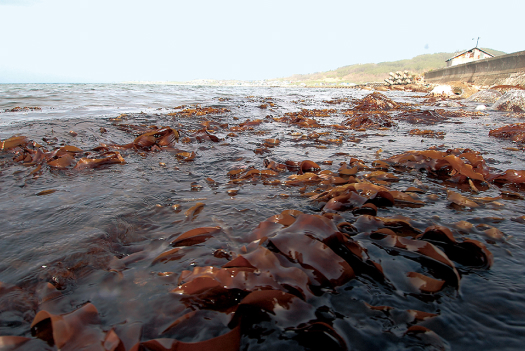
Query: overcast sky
{"points": [[172, 40]]}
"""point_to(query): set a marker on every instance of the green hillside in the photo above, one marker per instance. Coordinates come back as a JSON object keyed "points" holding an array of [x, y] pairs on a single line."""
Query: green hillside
{"points": [[377, 72]]}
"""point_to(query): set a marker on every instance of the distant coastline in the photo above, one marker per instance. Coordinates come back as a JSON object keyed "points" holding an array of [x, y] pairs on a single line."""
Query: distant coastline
{"points": [[214, 82], [344, 77]]}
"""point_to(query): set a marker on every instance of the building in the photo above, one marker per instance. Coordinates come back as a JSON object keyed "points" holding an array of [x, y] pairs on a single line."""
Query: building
{"points": [[468, 56]]}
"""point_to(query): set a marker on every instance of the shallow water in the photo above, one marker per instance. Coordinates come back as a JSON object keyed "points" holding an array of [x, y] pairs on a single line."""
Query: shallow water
{"points": [[96, 236]]}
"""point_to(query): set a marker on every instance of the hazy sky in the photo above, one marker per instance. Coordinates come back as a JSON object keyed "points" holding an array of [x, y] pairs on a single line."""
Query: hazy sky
{"points": [[172, 40]]}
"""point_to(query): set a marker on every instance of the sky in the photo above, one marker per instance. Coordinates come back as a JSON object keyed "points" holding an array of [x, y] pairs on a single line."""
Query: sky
{"points": [[98, 41]]}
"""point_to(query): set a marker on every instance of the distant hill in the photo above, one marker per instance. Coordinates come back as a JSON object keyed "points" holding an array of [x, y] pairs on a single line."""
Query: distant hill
{"points": [[377, 72]]}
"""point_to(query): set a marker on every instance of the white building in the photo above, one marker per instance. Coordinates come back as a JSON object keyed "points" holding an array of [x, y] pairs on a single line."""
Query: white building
{"points": [[468, 56]]}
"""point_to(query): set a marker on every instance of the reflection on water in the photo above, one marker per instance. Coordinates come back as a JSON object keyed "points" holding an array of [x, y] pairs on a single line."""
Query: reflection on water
{"points": [[297, 217]]}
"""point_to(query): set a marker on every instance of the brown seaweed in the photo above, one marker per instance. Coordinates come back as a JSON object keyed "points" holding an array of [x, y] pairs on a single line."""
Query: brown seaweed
{"points": [[425, 283], [159, 137], [514, 132], [70, 329], [427, 117], [226, 342], [112, 157], [376, 101], [369, 121], [195, 236], [427, 133], [312, 254]]}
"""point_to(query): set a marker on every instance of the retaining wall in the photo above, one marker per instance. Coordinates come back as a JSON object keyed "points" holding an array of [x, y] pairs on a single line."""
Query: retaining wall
{"points": [[504, 69]]}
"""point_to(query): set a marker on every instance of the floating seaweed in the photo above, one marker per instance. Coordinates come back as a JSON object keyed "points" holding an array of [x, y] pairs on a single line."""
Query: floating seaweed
{"points": [[376, 101], [23, 109], [197, 111], [427, 133], [428, 117], [369, 121], [514, 132]]}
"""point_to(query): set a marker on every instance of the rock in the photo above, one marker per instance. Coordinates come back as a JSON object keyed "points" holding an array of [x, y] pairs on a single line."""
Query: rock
{"points": [[448, 104], [513, 100], [462, 89], [401, 78], [419, 88], [486, 96], [442, 90], [505, 88]]}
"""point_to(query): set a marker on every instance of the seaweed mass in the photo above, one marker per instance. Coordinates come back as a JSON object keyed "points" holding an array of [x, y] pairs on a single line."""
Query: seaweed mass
{"points": [[342, 220]]}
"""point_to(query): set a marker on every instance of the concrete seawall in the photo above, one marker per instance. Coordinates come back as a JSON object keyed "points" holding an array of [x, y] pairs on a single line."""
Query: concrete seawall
{"points": [[505, 69]]}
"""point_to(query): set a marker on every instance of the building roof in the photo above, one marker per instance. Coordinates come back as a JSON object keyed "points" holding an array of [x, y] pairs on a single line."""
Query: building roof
{"points": [[461, 53]]}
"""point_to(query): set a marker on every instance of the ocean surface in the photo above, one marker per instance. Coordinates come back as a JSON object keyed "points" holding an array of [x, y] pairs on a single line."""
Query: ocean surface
{"points": [[111, 248]]}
